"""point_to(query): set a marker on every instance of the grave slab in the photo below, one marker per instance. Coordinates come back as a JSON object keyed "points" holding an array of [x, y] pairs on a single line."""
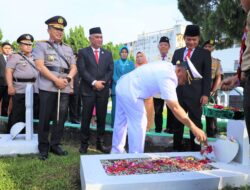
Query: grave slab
{"points": [[18, 146], [94, 177]]}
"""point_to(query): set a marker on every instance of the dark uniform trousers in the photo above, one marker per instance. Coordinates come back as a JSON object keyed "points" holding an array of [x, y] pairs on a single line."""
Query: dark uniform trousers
{"points": [[158, 106], [193, 108], [48, 112], [246, 102], [18, 112], [101, 104], [211, 122], [75, 101], [4, 97], [74, 107]]}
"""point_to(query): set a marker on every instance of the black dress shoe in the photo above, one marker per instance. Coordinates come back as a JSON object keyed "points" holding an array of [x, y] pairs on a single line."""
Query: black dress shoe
{"points": [[157, 131], [170, 131], [58, 151], [43, 156], [74, 121], [103, 148]]}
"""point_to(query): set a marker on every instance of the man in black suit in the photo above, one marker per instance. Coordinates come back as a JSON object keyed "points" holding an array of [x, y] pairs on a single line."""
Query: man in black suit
{"points": [[192, 96], [7, 49], [95, 68]]}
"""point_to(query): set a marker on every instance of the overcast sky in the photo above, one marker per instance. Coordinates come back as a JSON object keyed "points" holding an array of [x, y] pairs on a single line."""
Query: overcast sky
{"points": [[121, 20]]}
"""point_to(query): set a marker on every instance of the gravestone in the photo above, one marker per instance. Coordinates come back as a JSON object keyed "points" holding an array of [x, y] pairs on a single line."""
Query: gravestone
{"points": [[94, 177], [237, 129], [235, 173], [11, 144]]}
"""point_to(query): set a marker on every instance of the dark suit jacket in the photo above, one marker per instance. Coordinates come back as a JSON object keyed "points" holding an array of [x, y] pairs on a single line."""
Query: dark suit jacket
{"points": [[2, 71], [89, 71], [201, 59]]}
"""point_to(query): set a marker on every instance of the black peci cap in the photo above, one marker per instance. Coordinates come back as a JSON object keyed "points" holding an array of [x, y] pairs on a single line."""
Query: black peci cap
{"points": [[164, 39], [96, 30], [192, 30]]}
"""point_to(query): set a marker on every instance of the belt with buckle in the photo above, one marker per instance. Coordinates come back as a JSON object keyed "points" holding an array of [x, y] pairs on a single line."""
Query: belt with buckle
{"points": [[58, 69], [24, 80]]}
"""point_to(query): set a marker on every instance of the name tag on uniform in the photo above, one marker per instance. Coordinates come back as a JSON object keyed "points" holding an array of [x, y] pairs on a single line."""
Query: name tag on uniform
{"points": [[23, 62]]}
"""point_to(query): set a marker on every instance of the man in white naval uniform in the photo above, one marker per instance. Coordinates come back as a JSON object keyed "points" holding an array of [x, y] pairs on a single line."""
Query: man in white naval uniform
{"points": [[140, 84]]}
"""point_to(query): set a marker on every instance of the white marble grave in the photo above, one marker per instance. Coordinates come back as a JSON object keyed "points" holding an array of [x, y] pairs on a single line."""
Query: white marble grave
{"points": [[14, 143], [93, 176], [235, 173]]}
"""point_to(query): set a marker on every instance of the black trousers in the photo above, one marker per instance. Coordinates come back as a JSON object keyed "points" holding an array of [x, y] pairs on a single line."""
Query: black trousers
{"points": [[246, 102], [4, 97], [211, 126], [88, 103], [18, 109], [193, 108], [211, 123], [74, 107], [170, 120], [158, 106], [48, 112]]}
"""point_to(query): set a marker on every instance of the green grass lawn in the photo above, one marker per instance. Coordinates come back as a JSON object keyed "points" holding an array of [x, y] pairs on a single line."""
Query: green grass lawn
{"points": [[56, 173], [29, 173]]}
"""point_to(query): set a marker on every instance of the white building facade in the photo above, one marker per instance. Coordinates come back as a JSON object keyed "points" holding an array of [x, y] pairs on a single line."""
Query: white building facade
{"points": [[148, 42]]}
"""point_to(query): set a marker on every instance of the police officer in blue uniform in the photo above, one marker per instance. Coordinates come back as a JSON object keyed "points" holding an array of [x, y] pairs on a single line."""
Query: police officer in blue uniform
{"points": [[20, 71], [56, 64]]}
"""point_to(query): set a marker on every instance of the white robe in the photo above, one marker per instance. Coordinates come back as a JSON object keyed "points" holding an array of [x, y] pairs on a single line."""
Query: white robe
{"points": [[131, 90]]}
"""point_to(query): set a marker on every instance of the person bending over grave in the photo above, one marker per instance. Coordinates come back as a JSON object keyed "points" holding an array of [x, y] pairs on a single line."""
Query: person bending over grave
{"points": [[131, 91]]}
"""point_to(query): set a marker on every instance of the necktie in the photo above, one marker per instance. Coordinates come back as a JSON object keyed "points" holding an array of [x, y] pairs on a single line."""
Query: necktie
{"points": [[96, 56], [188, 54], [163, 57]]}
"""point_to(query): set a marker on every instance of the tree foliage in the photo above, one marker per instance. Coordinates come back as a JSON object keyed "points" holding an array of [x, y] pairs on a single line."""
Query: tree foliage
{"points": [[222, 20], [76, 38], [15, 46]]}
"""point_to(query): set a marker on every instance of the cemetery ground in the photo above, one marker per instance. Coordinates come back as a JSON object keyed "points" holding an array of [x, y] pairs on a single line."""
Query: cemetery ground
{"points": [[58, 172]]}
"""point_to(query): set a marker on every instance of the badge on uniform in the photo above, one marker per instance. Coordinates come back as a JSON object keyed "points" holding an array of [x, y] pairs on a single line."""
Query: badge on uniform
{"points": [[51, 58], [24, 63]]}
